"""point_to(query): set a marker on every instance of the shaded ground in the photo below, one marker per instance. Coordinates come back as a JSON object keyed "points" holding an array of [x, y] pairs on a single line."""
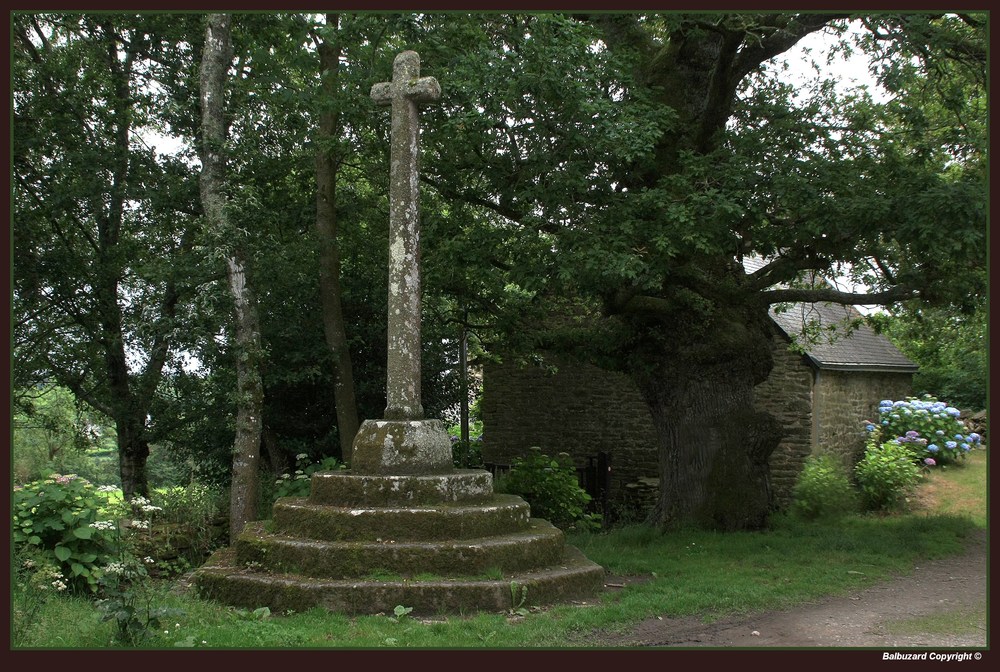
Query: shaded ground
{"points": [[886, 616]]}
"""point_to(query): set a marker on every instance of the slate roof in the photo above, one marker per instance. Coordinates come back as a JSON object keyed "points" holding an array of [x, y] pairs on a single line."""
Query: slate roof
{"points": [[860, 350]]}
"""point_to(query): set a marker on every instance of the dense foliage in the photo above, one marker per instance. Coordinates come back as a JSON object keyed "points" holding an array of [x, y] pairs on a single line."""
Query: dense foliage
{"points": [[887, 475], [592, 185], [63, 522]]}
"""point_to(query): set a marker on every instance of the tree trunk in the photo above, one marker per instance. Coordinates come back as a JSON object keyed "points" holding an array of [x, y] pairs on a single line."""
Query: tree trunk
{"points": [[215, 63], [329, 252], [133, 450], [713, 451], [250, 389], [713, 445]]}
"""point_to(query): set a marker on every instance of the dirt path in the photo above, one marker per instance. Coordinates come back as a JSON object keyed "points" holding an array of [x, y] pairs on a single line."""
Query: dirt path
{"points": [[955, 585]]}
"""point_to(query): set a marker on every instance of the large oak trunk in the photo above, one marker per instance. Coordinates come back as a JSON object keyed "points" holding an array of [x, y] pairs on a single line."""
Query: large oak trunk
{"points": [[713, 445], [714, 449]]}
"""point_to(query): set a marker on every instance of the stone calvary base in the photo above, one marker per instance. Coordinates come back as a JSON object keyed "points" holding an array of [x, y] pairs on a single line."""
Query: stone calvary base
{"points": [[402, 527]]}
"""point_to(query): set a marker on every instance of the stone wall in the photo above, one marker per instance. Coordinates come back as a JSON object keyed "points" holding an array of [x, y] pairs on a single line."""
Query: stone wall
{"points": [[582, 410], [787, 395], [844, 400], [579, 409]]}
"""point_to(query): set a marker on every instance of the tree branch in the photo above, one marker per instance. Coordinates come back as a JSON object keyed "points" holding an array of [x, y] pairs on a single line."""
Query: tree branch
{"points": [[783, 268], [898, 293], [780, 41]]}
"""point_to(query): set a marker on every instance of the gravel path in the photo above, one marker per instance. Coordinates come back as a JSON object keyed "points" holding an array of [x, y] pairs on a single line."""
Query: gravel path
{"points": [[957, 584]]}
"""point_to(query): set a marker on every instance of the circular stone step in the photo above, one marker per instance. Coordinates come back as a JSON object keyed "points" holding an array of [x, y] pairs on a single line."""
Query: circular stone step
{"points": [[572, 577], [536, 546], [344, 488], [296, 516]]}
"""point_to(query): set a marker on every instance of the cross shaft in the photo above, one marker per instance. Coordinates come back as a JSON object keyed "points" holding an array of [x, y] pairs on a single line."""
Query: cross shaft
{"points": [[406, 90]]}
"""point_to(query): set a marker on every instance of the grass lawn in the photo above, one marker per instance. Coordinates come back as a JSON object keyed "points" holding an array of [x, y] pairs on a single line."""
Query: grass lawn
{"points": [[681, 574]]}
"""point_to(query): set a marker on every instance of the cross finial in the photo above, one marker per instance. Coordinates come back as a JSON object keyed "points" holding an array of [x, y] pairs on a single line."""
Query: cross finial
{"points": [[404, 92], [406, 84]]}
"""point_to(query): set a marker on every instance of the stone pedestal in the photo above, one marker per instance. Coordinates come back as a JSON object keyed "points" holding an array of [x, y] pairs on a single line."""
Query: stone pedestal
{"points": [[365, 544], [401, 447]]}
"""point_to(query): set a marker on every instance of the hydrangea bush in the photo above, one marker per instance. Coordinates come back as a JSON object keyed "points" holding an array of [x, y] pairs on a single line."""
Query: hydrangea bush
{"points": [[551, 488], [932, 430], [61, 520]]}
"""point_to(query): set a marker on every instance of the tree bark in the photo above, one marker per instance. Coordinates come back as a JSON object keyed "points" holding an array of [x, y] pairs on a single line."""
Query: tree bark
{"points": [[698, 379], [250, 399], [714, 449], [127, 408], [216, 59], [133, 451], [329, 249]]}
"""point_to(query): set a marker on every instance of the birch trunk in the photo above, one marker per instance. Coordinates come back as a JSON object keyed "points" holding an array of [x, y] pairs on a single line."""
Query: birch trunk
{"points": [[216, 59]]}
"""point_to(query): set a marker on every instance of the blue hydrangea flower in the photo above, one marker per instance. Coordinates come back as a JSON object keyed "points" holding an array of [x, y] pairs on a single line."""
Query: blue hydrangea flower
{"points": [[933, 448], [912, 434], [869, 427], [940, 432], [951, 445], [974, 438], [959, 437]]}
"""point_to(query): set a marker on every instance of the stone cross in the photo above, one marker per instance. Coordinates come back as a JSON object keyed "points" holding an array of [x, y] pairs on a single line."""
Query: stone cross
{"points": [[406, 90]]}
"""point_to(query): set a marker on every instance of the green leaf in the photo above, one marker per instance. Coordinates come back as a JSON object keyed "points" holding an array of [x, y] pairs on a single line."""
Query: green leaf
{"points": [[83, 532], [63, 553], [78, 569], [35, 540]]}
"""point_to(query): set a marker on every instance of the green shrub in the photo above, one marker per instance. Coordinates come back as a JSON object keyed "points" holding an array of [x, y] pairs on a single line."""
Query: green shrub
{"points": [[823, 489], [467, 454], [552, 490], [193, 504], [297, 484], [34, 580], [59, 520], [886, 475], [128, 601], [188, 526]]}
